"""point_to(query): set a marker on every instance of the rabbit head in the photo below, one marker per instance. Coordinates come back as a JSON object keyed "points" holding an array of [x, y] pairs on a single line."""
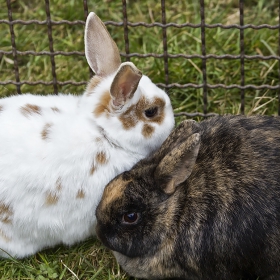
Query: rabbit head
{"points": [[125, 103], [129, 211]]}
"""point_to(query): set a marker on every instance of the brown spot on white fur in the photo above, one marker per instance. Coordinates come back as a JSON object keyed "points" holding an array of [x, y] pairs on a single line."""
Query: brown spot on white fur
{"points": [[92, 169], [6, 213], [1, 108], [80, 194], [52, 196], [128, 118], [51, 199], [93, 83], [101, 158], [147, 130], [30, 109], [103, 105], [4, 236], [55, 109], [98, 139], [136, 112], [46, 131]]}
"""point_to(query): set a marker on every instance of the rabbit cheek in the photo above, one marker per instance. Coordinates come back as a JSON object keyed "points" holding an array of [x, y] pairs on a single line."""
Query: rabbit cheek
{"points": [[128, 118], [147, 130], [109, 232], [103, 236], [30, 109]]}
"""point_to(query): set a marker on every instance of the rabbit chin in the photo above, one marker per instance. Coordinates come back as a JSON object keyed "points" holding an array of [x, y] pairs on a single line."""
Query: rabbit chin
{"points": [[148, 268], [128, 264]]}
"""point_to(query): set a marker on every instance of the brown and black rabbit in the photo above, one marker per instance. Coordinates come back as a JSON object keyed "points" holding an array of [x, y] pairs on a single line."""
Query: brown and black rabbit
{"points": [[206, 205]]}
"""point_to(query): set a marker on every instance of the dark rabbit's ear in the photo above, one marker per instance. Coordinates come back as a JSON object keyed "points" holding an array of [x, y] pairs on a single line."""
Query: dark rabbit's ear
{"points": [[178, 164], [179, 135]]}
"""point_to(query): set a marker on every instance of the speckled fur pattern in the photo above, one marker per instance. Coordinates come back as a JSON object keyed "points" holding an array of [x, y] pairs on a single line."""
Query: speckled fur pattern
{"points": [[207, 204], [57, 153]]}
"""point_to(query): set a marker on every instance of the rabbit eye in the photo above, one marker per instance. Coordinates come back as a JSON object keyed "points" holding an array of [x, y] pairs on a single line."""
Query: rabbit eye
{"points": [[130, 218], [151, 112]]}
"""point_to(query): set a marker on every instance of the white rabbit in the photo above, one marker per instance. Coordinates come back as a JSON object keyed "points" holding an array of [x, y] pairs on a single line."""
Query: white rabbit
{"points": [[57, 153]]}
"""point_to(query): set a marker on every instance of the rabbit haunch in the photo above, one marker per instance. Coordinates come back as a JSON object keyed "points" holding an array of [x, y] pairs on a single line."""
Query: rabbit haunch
{"points": [[205, 206], [57, 153]]}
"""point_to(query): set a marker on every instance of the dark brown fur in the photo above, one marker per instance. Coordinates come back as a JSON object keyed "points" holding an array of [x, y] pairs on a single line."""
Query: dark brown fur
{"points": [[208, 204]]}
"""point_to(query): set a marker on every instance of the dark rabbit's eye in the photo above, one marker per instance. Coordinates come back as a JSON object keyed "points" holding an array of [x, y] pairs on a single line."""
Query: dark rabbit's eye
{"points": [[130, 218], [151, 112]]}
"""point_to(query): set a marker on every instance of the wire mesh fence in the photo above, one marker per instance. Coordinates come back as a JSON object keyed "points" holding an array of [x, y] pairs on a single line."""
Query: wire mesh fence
{"points": [[127, 26]]}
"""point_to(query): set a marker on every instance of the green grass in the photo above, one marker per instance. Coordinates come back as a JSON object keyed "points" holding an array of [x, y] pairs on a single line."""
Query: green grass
{"points": [[90, 260]]}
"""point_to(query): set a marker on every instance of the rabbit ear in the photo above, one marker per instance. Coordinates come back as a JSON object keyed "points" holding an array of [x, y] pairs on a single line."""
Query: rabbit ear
{"points": [[101, 51], [179, 135], [124, 84], [177, 165]]}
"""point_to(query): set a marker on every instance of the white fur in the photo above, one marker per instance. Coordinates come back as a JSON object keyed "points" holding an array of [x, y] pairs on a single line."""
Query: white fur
{"points": [[31, 167]]}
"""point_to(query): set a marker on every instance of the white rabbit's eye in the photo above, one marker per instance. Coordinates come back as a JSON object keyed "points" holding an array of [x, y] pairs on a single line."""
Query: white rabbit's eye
{"points": [[130, 218], [151, 112]]}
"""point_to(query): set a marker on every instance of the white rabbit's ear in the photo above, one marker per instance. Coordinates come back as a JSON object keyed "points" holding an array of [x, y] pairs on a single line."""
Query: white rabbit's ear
{"points": [[101, 51], [178, 164], [124, 84]]}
